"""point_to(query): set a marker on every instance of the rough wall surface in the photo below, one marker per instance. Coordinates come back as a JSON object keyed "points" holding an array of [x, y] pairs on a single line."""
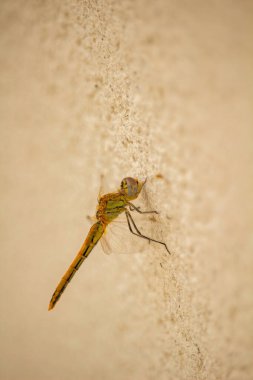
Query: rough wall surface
{"points": [[127, 88]]}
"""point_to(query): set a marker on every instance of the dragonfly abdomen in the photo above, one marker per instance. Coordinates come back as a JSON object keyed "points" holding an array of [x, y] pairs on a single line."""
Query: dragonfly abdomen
{"points": [[95, 233]]}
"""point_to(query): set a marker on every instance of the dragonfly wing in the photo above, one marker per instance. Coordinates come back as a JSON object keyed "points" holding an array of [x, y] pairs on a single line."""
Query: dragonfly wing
{"points": [[106, 245], [120, 240]]}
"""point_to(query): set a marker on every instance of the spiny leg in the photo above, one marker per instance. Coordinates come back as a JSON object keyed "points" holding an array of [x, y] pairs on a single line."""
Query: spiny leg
{"points": [[138, 233], [132, 207]]}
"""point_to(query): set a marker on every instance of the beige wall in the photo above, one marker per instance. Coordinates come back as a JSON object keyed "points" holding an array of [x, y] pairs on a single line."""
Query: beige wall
{"points": [[127, 88]]}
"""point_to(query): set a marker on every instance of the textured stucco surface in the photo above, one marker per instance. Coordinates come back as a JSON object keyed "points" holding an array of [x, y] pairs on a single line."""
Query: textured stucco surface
{"points": [[127, 88]]}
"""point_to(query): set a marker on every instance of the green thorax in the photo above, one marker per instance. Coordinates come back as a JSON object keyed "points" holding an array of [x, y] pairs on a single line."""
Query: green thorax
{"points": [[110, 206]]}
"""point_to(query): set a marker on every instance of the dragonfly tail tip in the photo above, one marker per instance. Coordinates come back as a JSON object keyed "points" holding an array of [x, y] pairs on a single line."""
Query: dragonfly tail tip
{"points": [[50, 306]]}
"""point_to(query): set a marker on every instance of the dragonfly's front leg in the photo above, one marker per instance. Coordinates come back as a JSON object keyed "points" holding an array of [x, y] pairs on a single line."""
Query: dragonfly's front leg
{"points": [[132, 207]]}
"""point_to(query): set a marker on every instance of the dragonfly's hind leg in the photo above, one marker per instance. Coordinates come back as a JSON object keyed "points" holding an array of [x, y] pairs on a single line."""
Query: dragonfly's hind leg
{"points": [[138, 233], [132, 207]]}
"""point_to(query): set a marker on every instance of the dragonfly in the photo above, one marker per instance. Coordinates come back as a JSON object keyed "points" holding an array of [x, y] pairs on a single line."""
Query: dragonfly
{"points": [[109, 207]]}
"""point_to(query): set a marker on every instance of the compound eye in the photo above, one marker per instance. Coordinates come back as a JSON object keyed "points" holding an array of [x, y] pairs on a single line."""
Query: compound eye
{"points": [[123, 184]]}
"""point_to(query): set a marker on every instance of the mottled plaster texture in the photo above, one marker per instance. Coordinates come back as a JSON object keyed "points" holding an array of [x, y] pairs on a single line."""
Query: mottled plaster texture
{"points": [[127, 88]]}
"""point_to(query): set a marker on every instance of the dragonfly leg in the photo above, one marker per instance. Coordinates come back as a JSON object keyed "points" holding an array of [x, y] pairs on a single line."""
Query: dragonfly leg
{"points": [[132, 207], [138, 233]]}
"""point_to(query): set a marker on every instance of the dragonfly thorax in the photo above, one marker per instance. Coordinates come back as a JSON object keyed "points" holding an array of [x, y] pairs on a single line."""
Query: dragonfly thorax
{"points": [[110, 207]]}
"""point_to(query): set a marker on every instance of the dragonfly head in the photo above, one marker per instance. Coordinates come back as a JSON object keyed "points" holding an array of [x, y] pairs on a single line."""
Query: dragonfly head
{"points": [[131, 187]]}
